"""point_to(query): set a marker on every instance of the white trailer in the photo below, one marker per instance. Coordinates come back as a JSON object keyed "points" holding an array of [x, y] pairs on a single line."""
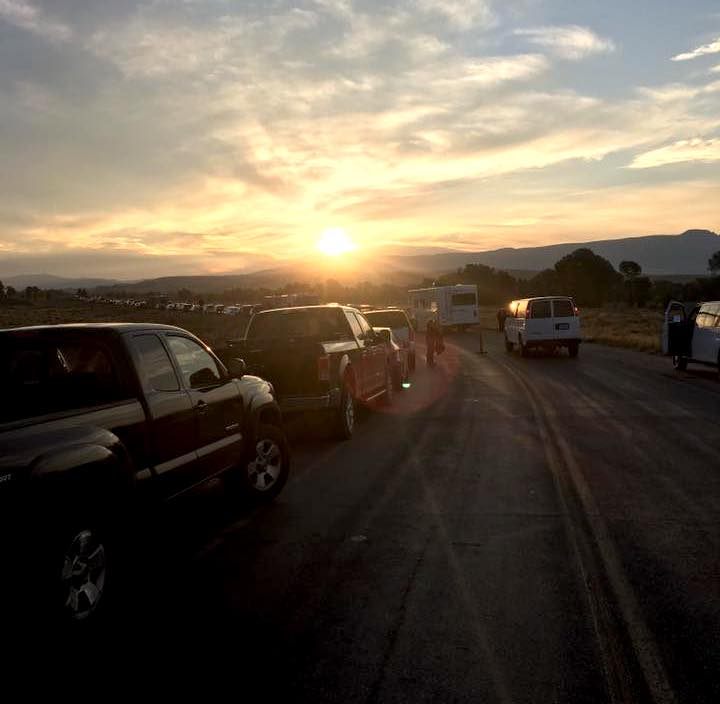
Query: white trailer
{"points": [[451, 306]]}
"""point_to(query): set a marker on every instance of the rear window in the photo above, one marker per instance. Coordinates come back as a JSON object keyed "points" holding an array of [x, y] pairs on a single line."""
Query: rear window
{"points": [[388, 319], [563, 309], [463, 299], [39, 375], [317, 323], [540, 309]]}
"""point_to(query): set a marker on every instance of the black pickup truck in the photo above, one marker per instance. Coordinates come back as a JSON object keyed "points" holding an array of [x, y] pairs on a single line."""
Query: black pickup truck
{"points": [[97, 421], [319, 359]]}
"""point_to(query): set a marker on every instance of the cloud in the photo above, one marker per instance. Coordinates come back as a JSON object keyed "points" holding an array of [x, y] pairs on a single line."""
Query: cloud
{"points": [[569, 42], [715, 69], [461, 14], [686, 150], [712, 48], [24, 15]]}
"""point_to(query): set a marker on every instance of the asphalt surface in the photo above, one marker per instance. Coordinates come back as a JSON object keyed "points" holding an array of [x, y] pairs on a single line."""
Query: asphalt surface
{"points": [[510, 530]]}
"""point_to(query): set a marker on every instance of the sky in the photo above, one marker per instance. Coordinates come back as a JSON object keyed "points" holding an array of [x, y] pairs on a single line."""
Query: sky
{"points": [[154, 137]]}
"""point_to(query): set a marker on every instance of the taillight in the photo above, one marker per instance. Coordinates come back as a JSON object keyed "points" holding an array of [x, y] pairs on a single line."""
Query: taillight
{"points": [[576, 310], [528, 313], [323, 364]]}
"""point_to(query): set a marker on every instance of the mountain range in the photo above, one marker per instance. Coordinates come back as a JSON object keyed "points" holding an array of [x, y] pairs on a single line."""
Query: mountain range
{"points": [[659, 256]]}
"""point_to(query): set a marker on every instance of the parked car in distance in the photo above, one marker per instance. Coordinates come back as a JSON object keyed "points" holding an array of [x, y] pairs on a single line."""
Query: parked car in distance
{"points": [[547, 322], [231, 310], [320, 359], [100, 419], [694, 334], [397, 320], [397, 358]]}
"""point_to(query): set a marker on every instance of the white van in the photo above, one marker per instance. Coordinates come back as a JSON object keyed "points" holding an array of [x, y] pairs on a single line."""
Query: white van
{"points": [[693, 336], [451, 306], [548, 321]]}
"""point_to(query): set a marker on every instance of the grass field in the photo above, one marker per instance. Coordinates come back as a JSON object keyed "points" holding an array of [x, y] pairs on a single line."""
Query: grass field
{"points": [[213, 329], [633, 328]]}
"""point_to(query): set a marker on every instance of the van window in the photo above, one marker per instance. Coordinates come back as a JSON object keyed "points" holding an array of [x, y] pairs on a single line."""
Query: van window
{"points": [[463, 299], [540, 309], [563, 309]]}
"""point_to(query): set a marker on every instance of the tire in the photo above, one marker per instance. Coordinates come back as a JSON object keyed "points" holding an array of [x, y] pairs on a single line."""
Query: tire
{"points": [[267, 466], [680, 363], [523, 348], [573, 349], [74, 574], [508, 345], [346, 414]]}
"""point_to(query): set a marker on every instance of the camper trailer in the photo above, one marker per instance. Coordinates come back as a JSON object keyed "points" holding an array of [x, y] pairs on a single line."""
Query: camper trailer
{"points": [[452, 306]]}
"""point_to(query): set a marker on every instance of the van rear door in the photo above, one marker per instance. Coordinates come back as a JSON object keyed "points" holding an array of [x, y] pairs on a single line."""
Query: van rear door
{"points": [[566, 324], [539, 325]]}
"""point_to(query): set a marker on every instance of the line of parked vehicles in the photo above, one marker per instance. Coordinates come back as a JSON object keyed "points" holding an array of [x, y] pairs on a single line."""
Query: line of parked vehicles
{"points": [[102, 420]]}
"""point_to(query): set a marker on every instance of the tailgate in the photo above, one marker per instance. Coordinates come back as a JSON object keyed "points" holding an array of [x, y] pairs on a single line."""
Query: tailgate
{"points": [[289, 365]]}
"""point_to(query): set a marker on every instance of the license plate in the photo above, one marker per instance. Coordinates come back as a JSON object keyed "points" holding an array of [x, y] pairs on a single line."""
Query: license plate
{"points": [[563, 326]]}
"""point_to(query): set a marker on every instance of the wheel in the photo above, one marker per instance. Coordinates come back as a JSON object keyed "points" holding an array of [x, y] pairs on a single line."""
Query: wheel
{"points": [[523, 348], [508, 345], [389, 394], [345, 415], [268, 464], [83, 576], [680, 363], [573, 349]]}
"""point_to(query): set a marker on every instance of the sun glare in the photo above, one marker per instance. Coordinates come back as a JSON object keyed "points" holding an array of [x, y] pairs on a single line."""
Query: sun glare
{"points": [[334, 242]]}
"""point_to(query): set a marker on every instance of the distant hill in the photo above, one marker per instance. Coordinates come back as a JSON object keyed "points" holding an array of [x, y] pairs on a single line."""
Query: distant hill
{"points": [[47, 281], [684, 254]]}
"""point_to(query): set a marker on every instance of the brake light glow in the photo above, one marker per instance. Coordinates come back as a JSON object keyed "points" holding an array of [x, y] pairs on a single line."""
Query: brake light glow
{"points": [[323, 364]]}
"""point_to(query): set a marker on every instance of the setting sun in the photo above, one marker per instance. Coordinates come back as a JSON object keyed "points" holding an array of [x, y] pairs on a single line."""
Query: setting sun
{"points": [[334, 242]]}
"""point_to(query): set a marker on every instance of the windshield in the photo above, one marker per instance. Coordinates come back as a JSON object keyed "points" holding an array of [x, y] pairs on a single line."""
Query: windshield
{"points": [[316, 323]]}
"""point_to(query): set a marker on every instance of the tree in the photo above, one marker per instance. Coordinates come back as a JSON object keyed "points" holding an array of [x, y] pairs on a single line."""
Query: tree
{"points": [[588, 277], [630, 270], [10, 292], [714, 264]]}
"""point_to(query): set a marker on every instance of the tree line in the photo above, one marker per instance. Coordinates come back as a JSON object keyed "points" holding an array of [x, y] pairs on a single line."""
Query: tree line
{"points": [[589, 278]]}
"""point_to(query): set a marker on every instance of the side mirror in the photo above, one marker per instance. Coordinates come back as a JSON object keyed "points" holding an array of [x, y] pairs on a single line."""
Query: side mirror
{"points": [[237, 367], [384, 335], [414, 324]]}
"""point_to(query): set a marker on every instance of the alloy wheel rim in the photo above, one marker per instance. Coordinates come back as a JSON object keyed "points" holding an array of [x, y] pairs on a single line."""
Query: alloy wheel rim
{"points": [[265, 468], [83, 575]]}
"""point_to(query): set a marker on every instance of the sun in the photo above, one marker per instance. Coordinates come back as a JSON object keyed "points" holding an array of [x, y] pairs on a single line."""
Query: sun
{"points": [[334, 242]]}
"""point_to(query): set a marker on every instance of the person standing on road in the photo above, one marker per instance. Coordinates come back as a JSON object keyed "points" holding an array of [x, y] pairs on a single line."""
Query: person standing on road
{"points": [[501, 316], [431, 341]]}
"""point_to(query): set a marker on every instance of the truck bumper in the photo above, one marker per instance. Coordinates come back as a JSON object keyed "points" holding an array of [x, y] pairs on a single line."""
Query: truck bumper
{"points": [[304, 404]]}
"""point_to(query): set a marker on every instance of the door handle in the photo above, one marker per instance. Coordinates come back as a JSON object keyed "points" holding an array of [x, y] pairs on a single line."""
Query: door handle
{"points": [[201, 407]]}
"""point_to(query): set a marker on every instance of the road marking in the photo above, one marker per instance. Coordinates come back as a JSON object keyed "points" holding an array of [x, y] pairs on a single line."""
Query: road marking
{"points": [[642, 641]]}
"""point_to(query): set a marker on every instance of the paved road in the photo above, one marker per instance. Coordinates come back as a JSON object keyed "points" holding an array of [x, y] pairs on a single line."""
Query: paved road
{"points": [[513, 530]]}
